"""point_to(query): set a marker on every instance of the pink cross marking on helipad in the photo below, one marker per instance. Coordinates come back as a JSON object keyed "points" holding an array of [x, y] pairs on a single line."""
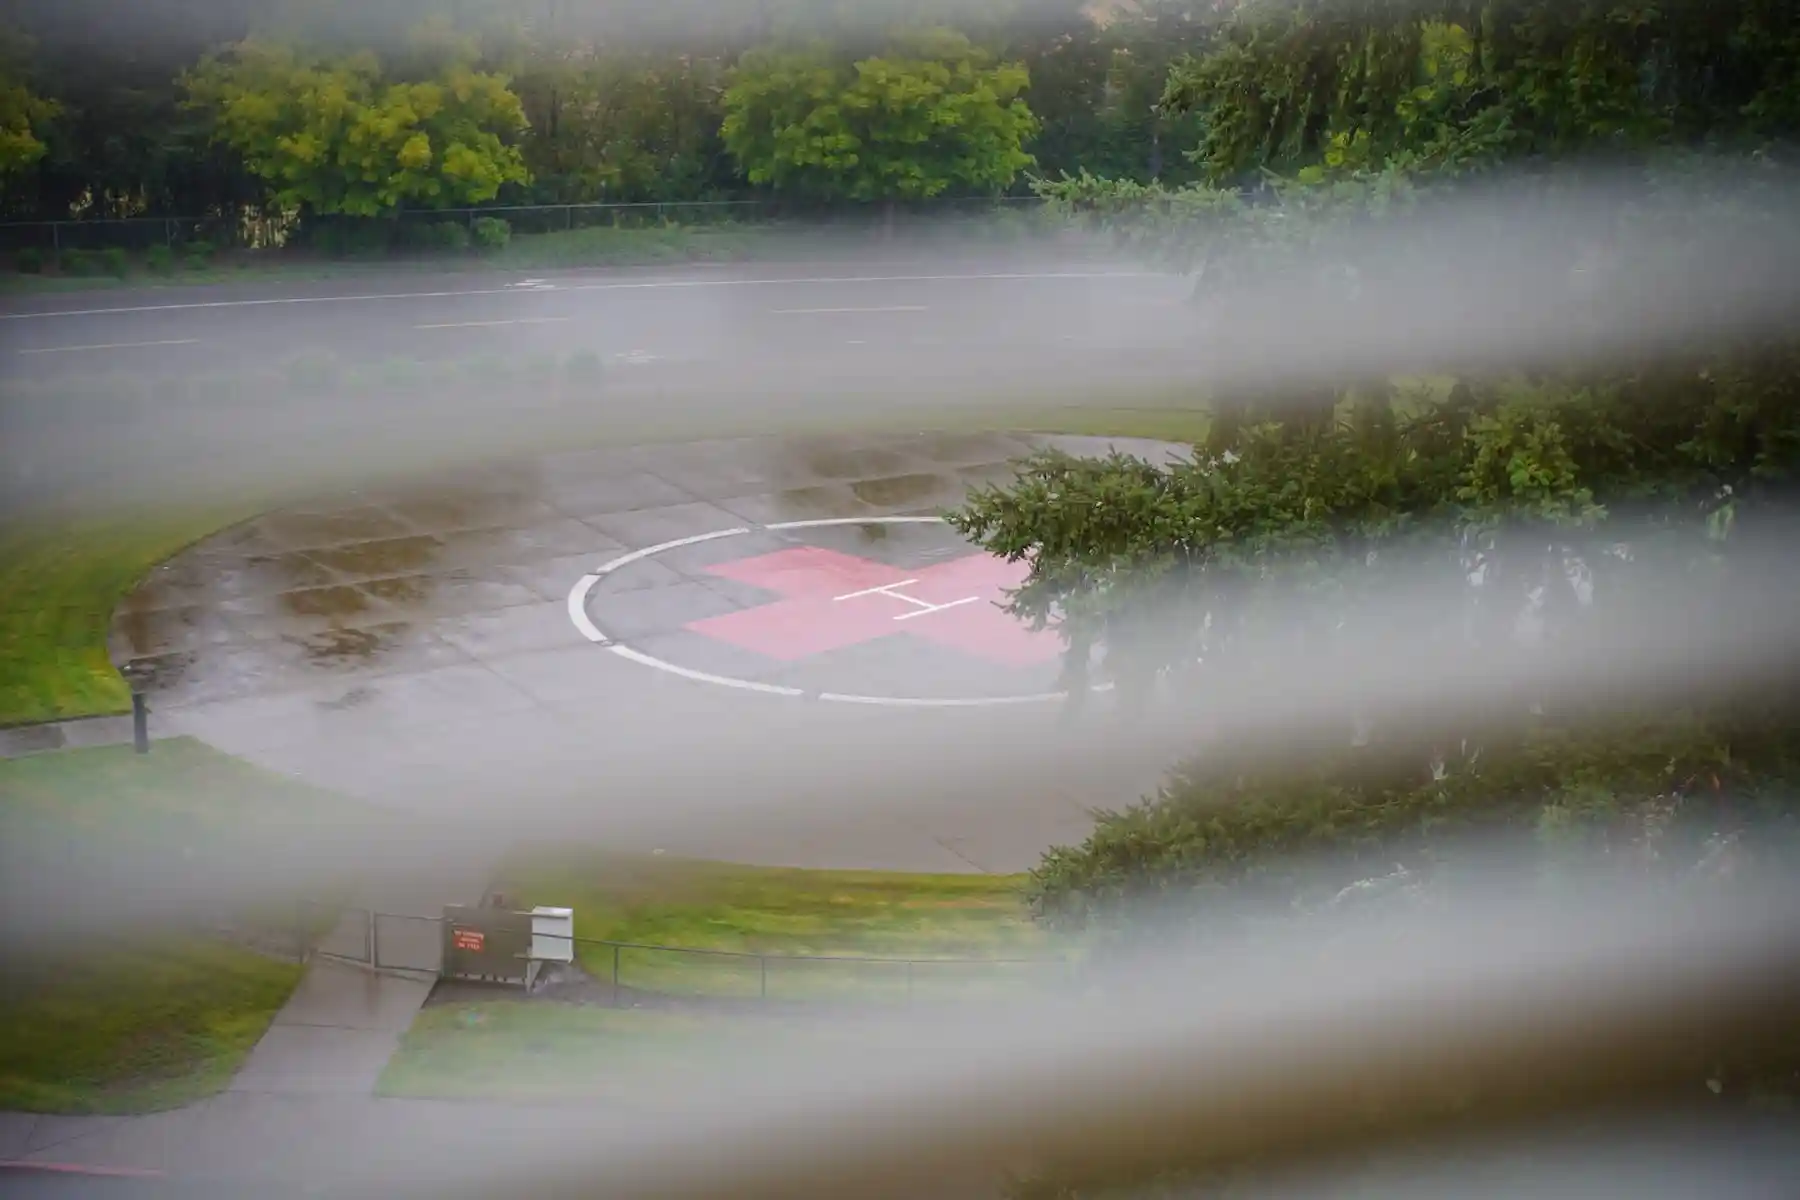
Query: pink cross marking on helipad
{"points": [[833, 600]]}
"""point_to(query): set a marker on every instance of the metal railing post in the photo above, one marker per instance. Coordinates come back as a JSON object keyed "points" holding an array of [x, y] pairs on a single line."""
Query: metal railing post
{"points": [[615, 990], [375, 939], [763, 965], [140, 722]]}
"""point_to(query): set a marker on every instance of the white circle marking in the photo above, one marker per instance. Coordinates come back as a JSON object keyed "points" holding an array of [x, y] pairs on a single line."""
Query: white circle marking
{"points": [[578, 597]]}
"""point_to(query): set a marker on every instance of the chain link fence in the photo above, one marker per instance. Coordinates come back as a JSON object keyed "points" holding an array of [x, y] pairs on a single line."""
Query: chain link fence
{"points": [[429, 230], [620, 973]]}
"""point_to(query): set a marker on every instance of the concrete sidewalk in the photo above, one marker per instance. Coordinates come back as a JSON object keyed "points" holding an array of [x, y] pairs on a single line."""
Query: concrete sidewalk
{"points": [[317, 1065], [308, 1084]]}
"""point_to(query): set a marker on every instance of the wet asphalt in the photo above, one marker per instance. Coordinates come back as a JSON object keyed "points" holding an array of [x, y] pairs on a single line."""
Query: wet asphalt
{"points": [[676, 316], [432, 647], [438, 646]]}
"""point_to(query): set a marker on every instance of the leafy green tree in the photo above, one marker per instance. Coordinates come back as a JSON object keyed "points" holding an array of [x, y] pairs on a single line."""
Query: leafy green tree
{"points": [[22, 116], [621, 125], [932, 114], [1462, 84], [338, 136]]}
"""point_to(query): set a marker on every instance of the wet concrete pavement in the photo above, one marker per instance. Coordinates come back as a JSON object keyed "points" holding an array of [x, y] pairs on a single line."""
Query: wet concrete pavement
{"points": [[674, 316], [420, 648]]}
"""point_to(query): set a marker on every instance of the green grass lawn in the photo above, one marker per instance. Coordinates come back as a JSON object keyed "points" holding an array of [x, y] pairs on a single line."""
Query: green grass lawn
{"points": [[134, 1028], [539, 1049], [519, 1050], [595, 246], [182, 797], [129, 1026], [782, 913], [58, 588]]}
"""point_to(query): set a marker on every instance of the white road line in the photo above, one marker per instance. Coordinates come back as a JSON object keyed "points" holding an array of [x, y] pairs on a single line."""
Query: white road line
{"points": [[483, 324], [645, 285], [876, 308], [109, 346]]}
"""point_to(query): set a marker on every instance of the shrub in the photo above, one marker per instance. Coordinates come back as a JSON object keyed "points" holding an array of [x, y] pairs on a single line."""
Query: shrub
{"points": [[197, 256], [76, 262], [115, 262], [491, 233], [160, 259], [350, 238], [434, 236], [29, 261]]}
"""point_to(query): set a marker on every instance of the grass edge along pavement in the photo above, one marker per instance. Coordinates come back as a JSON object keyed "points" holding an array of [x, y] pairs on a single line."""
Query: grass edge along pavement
{"points": [[497, 1044], [141, 1024], [61, 582], [60, 585], [669, 244]]}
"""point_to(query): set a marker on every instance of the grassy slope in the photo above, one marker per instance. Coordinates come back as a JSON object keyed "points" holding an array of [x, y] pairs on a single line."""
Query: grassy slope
{"points": [[784, 912], [136, 1026], [517, 1050], [58, 589], [536, 1050]]}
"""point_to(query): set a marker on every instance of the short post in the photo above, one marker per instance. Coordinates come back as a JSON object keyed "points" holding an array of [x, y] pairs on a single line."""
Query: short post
{"points": [[615, 976], [909, 993], [763, 966], [140, 722]]}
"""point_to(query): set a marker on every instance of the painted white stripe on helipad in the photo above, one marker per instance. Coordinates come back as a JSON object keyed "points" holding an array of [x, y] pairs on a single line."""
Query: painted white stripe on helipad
{"points": [[578, 615], [823, 522], [578, 609], [926, 702], [608, 567], [617, 286], [109, 346], [747, 685], [873, 308], [484, 324]]}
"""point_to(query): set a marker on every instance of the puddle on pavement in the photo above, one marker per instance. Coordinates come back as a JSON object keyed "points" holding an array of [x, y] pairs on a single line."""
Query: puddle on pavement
{"points": [[158, 674], [902, 491], [406, 591], [955, 449], [853, 464], [306, 531], [339, 601], [350, 647], [390, 556], [144, 632], [804, 503], [272, 573], [498, 496]]}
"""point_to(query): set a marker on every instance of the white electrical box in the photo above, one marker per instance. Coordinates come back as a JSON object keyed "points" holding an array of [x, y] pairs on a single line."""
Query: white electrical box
{"points": [[553, 934]]}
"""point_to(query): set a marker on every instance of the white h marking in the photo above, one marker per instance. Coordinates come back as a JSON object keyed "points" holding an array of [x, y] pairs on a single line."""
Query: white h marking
{"points": [[920, 607]]}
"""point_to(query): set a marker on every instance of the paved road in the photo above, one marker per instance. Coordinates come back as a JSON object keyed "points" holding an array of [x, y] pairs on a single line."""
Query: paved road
{"points": [[423, 644], [548, 640], [692, 315]]}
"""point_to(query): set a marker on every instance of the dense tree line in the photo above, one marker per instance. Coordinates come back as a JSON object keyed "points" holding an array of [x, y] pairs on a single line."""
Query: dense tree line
{"points": [[344, 108], [1539, 499]]}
